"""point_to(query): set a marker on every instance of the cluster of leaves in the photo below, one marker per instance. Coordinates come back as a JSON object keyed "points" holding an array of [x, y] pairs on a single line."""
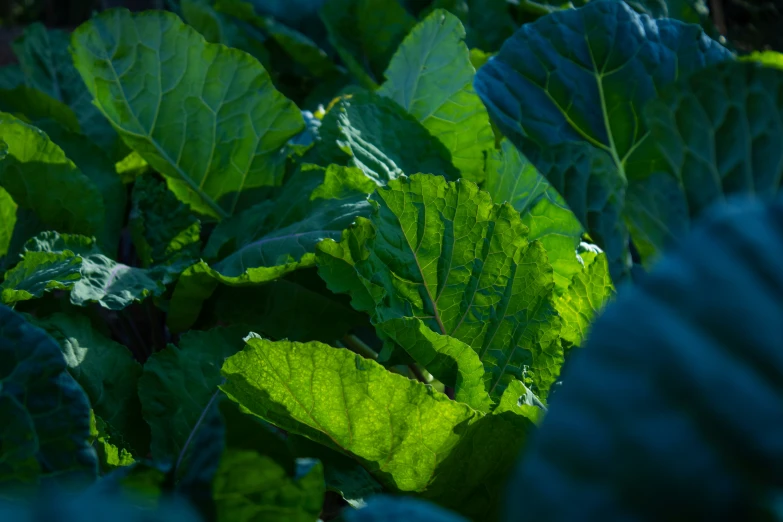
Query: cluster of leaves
{"points": [[218, 306]]}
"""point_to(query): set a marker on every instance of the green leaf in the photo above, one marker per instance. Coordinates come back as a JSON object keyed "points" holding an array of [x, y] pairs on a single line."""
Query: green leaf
{"points": [[431, 77], [672, 410], [40, 272], [298, 46], [574, 83], [713, 134], [94, 164], [38, 176], [342, 474], [366, 33], [212, 140], [488, 22], [766, 58], [103, 280], [443, 253], [297, 307], [449, 360], [408, 436], [44, 414], [106, 371], [218, 28], [377, 135], [232, 476], [274, 238], [7, 219], [32, 106], [162, 228], [178, 382], [47, 66], [110, 455], [512, 178], [584, 299], [382, 508]]}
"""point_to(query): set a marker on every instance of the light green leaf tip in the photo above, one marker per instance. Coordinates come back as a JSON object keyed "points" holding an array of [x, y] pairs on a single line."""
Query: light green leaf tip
{"points": [[431, 76]]}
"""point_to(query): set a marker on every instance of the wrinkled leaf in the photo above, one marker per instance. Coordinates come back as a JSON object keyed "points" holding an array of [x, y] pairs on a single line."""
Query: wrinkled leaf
{"points": [[410, 437]]}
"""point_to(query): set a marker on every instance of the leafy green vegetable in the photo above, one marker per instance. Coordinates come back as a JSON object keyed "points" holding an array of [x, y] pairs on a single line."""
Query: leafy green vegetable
{"points": [[384, 508], [38, 176], [239, 125], [7, 220], [432, 78], [47, 68], [46, 416], [272, 239], [466, 269], [594, 70], [75, 263], [163, 230], [690, 347], [366, 33], [380, 418], [376, 135], [512, 178], [736, 154], [107, 373], [177, 385]]}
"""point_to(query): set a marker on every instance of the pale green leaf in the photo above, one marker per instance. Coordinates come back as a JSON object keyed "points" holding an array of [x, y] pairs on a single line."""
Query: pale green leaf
{"points": [[38, 176], [584, 299], [431, 77], [512, 178], [40, 272], [7, 220], [102, 280], [212, 124], [410, 437]]}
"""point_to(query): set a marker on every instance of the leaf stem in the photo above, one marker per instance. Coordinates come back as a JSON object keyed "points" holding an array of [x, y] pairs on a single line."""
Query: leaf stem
{"points": [[355, 344]]}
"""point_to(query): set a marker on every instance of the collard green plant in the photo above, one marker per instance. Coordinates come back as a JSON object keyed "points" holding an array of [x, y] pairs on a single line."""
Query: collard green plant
{"points": [[340, 259]]}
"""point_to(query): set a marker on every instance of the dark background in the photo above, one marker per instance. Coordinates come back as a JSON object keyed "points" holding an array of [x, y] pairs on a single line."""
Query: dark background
{"points": [[747, 24]]}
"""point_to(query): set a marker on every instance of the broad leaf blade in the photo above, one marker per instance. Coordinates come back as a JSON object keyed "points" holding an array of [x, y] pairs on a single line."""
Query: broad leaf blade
{"points": [[431, 77], [47, 67], [38, 176], [408, 436], [583, 76], [40, 272], [713, 134], [7, 220], [239, 125], [442, 252], [512, 178]]}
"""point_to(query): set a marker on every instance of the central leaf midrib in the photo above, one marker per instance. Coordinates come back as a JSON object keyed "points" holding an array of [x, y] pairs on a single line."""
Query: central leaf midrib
{"points": [[209, 201]]}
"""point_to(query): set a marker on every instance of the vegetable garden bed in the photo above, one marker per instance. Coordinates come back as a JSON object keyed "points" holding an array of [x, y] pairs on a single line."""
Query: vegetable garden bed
{"points": [[381, 260]]}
